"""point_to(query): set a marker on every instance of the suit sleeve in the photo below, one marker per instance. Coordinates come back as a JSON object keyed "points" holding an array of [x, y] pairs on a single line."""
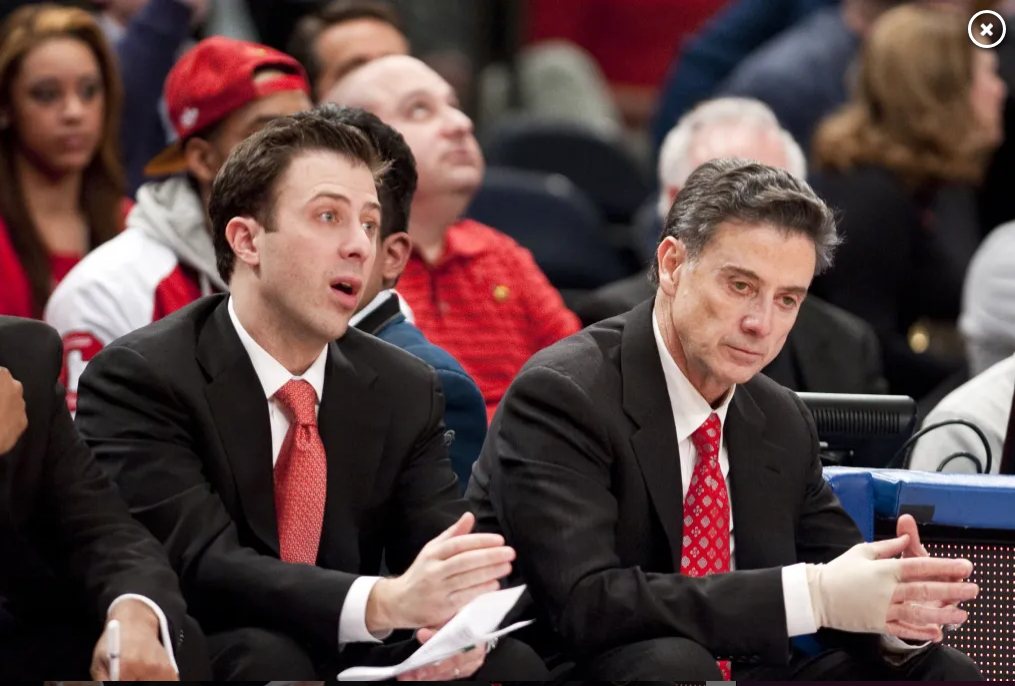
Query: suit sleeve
{"points": [[107, 552], [143, 434], [825, 531], [427, 498], [552, 495]]}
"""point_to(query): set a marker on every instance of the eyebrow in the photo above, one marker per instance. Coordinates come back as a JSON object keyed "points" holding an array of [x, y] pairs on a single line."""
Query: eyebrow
{"points": [[451, 96], [369, 204], [747, 273]]}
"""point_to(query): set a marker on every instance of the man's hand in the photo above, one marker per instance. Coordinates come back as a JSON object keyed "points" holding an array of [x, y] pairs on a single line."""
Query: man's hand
{"points": [[461, 666], [142, 655], [449, 572], [13, 416], [865, 591]]}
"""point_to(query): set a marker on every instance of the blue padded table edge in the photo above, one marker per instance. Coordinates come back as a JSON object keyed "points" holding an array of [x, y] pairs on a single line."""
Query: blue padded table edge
{"points": [[855, 489], [982, 501]]}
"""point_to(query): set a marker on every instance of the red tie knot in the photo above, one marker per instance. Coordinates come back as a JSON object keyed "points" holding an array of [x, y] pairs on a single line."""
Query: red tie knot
{"points": [[707, 436], [300, 399]]}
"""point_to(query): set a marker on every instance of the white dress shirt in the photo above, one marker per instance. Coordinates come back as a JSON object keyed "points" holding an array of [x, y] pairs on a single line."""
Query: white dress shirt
{"points": [[690, 410], [352, 624]]}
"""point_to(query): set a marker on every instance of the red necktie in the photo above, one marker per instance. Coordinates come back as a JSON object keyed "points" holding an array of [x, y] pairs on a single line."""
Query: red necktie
{"points": [[301, 476], [706, 544]]}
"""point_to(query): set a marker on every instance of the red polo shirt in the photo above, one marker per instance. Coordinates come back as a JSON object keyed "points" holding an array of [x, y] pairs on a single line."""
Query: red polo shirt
{"points": [[487, 303]]}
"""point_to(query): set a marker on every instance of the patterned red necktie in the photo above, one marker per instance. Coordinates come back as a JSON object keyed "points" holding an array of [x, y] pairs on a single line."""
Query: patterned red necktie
{"points": [[301, 476], [706, 544]]}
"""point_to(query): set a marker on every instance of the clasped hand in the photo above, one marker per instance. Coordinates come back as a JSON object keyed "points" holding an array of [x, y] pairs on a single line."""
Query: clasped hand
{"points": [[869, 589]]}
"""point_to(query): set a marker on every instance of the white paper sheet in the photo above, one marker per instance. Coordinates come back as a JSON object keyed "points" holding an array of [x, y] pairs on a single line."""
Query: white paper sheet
{"points": [[476, 623]]}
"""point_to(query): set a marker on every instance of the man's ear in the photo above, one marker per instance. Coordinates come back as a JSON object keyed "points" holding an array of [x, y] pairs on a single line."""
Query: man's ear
{"points": [[243, 234], [395, 251], [671, 258], [203, 160]]}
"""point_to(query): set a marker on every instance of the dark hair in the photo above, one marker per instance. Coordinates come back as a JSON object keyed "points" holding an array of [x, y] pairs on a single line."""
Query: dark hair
{"points": [[399, 182], [303, 41], [734, 190], [247, 184], [102, 183]]}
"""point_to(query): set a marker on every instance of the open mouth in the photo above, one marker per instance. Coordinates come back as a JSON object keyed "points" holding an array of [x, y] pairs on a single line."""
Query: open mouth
{"points": [[344, 287]]}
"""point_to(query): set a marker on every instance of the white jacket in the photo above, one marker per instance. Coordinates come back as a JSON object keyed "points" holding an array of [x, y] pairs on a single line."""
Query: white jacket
{"points": [[162, 261]]}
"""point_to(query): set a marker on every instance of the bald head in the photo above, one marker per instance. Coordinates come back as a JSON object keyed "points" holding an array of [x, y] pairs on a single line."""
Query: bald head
{"points": [[379, 81], [417, 102]]}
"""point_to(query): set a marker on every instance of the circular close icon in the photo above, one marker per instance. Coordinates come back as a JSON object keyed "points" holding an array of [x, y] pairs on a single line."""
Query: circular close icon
{"points": [[986, 29]]}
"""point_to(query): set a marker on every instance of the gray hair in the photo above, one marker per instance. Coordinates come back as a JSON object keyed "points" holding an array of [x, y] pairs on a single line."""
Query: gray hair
{"points": [[675, 163], [729, 189]]}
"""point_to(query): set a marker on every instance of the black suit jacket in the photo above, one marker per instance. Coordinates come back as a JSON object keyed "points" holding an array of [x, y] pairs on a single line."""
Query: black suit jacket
{"points": [[581, 473], [69, 547], [175, 412], [829, 350]]}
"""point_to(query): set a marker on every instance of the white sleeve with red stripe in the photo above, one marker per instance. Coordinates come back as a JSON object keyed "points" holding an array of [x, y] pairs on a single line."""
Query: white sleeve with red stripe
{"points": [[108, 295]]}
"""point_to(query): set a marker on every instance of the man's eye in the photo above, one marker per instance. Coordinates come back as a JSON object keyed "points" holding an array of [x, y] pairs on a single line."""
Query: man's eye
{"points": [[328, 216]]}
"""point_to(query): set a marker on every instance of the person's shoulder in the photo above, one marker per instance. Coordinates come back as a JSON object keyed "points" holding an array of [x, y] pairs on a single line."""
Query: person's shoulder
{"points": [[21, 337], [124, 266], [29, 348], [172, 338], [788, 56], [480, 238], [408, 337], [825, 316], [992, 387], [393, 363], [589, 358], [773, 399]]}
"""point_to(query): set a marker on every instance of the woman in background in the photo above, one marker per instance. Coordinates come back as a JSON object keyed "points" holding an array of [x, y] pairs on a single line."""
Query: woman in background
{"points": [[900, 164], [61, 179]]}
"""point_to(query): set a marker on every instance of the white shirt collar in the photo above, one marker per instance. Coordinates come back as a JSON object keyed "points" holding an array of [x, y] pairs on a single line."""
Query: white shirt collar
{"points": [[270, 371], [690, 409], [378, 300]]}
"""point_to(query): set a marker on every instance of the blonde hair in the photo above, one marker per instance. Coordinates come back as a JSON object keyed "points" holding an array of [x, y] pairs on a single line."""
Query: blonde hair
{"points": [[103, 180], [911, 111]]}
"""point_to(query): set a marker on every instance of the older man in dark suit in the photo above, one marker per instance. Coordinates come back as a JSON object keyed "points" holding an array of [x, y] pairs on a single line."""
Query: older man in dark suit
{"points": [[829, 350], [72, 556], [667, 504]]}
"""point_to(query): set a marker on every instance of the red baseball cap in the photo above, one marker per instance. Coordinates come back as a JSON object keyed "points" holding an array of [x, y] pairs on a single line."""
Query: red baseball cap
{"points": [[211, 81]]}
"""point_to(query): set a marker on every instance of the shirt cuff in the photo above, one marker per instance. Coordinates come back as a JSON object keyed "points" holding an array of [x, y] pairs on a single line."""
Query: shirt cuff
{"points": [[352, 624], [896, 651], [796, 596], [167, 641]]}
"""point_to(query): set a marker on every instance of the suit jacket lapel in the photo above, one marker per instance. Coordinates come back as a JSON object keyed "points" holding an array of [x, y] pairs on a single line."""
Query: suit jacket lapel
{"points": [[754, 478], [647, 403], [352, 422], [240, 410]]}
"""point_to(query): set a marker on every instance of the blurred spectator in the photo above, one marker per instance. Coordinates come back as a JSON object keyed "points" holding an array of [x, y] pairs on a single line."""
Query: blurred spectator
{"points": [[380, 309], [899, 164], [987, 322], [802, 74], [343, 35], [632, 40], [221, 92], [474, 291], [707, 58], [828, 350], [148, 36], [986, 401], [61, 183]]}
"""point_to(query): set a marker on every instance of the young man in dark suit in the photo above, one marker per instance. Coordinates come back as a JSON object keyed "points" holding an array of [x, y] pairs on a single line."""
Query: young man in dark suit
{"points": [[667, 504], [380, 311], [278, 454], [72, 556]]}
